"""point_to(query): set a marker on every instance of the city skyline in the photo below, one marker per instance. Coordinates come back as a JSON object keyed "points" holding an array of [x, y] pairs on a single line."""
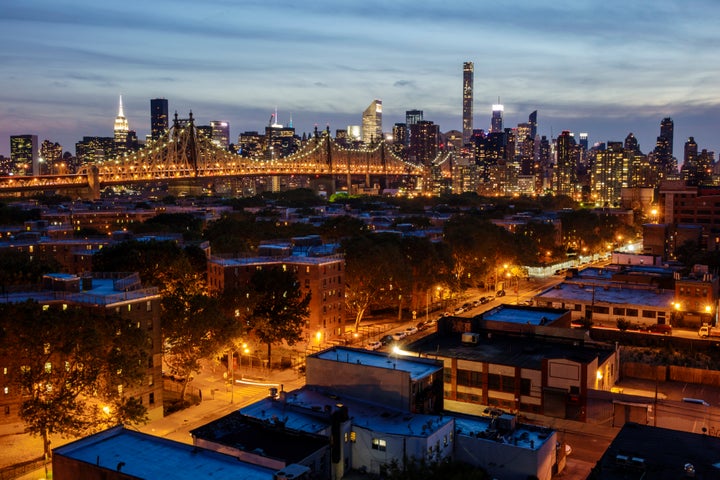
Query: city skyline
{"points": [[582, 66]]}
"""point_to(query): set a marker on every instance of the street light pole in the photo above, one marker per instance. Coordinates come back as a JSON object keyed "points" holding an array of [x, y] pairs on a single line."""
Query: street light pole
{"points": [[427, 306]]}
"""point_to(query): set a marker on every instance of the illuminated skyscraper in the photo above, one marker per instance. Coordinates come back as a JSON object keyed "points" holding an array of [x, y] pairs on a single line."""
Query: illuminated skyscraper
{"points": [[566, 174], [667, 131], [121, 130], [24, 155], [609, 175], [372, 122], [496, 123], [468, 79], [158, 117], [424, 139], [220, 133], [413, 116]]}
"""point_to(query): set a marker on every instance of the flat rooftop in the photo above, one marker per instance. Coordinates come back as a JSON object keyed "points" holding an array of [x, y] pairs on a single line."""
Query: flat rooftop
{"points": [[417, 368], [525, 351], [145, 456], [530, 437], [103, 291], [642, 451], [523, 315], [608, 293], [308, 409]]}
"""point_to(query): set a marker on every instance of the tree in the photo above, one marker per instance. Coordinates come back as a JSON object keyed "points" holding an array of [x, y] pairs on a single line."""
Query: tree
{"points": [[279, 307], [69, 364], [195, 326], [20, 268], [157, 262], [371, 267]]}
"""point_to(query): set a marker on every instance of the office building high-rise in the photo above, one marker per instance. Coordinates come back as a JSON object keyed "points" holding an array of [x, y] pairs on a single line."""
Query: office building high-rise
{"points": [[372, 123], [424, 140], [121, 130], [532, 120], [24, 155], [413, 116], [566, 174], [158, 117], [496, 123], [667, 131], [468, 79], [220, 133]]}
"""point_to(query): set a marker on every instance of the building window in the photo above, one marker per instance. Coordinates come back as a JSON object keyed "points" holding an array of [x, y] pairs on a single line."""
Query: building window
{"points": [[379, 444], [6, 390], [148, 306], [151, 380], [631, 312], [152, 398]]}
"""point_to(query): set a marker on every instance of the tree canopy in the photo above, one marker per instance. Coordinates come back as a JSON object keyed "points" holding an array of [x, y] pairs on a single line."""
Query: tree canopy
{"points": [[69, 364], [279, 308]]}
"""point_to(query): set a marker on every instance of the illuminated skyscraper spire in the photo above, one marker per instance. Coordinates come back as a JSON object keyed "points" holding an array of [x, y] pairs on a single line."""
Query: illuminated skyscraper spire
{"points": [[121, 129]]}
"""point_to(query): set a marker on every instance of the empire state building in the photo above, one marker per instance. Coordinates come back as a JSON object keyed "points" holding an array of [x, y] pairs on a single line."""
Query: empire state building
{"points": [[121, 130]]}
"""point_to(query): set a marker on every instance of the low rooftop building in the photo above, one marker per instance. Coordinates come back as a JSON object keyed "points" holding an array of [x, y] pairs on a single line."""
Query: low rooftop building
{"points": [[119, 453]]}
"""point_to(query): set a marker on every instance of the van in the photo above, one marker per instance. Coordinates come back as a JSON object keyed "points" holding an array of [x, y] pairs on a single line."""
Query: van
{"points": [[699, 401]]}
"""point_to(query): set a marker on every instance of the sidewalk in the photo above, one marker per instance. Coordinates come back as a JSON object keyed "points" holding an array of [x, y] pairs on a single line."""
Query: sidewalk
{"points": [[219, 399]]}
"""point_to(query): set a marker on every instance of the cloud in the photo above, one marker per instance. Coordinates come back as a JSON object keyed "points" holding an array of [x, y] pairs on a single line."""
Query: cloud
{"points": [[405, 83]]}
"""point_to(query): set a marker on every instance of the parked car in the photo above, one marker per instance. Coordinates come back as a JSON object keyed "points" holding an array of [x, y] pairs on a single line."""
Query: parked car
{"points": [[459, 310], [373, 345], [500, 293], [387, 340], [484, 300], [399, 335], [411, 331], [662, 328]]}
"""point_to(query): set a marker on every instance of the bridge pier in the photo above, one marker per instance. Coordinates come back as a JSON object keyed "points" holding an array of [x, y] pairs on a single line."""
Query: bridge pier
{"points": [[326, 184]]}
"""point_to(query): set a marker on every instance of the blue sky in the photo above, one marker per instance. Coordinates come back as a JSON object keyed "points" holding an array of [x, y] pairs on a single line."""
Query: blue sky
{"points": [[607, 68]]}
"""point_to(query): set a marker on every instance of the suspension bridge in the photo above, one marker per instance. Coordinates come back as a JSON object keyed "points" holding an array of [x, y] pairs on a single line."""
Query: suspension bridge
{"points": [[182, 154]]}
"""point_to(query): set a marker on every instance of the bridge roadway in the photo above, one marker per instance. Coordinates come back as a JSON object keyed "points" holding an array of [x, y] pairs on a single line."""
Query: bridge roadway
{"points": [[182, 155]]}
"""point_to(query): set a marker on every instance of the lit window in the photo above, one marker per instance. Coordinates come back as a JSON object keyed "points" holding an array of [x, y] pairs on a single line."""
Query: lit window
{"points": [[148, 306], [379, 444], [48, 367], [64, 306], [7, 390], [46, 308]]}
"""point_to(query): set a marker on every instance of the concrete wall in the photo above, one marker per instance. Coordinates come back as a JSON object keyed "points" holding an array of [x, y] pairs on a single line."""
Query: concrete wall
{"points": [[373, 384], [505, 460]]}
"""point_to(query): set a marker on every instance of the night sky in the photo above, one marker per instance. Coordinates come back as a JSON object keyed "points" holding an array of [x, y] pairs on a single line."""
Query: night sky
{"points": [[607, 68]]}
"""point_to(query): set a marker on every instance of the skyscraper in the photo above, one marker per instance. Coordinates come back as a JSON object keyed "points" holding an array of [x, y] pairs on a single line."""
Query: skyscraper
{"points": [[121, 130], [24, 155], [667, 131], [220, 133], [424, 139], [468, 79], [158, 117], [532, 120], [496, 123], [413, 116], [566, 180], [372, 122]]}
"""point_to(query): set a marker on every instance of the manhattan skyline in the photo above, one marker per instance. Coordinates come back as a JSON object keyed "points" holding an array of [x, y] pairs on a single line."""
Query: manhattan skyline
{"points": [[607, 69]]}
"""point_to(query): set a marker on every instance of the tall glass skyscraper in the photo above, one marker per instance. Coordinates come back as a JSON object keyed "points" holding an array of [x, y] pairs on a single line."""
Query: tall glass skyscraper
{"points": [[468, 79], [158, 117], [220, 133], [372, 122], [496, 124]]}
